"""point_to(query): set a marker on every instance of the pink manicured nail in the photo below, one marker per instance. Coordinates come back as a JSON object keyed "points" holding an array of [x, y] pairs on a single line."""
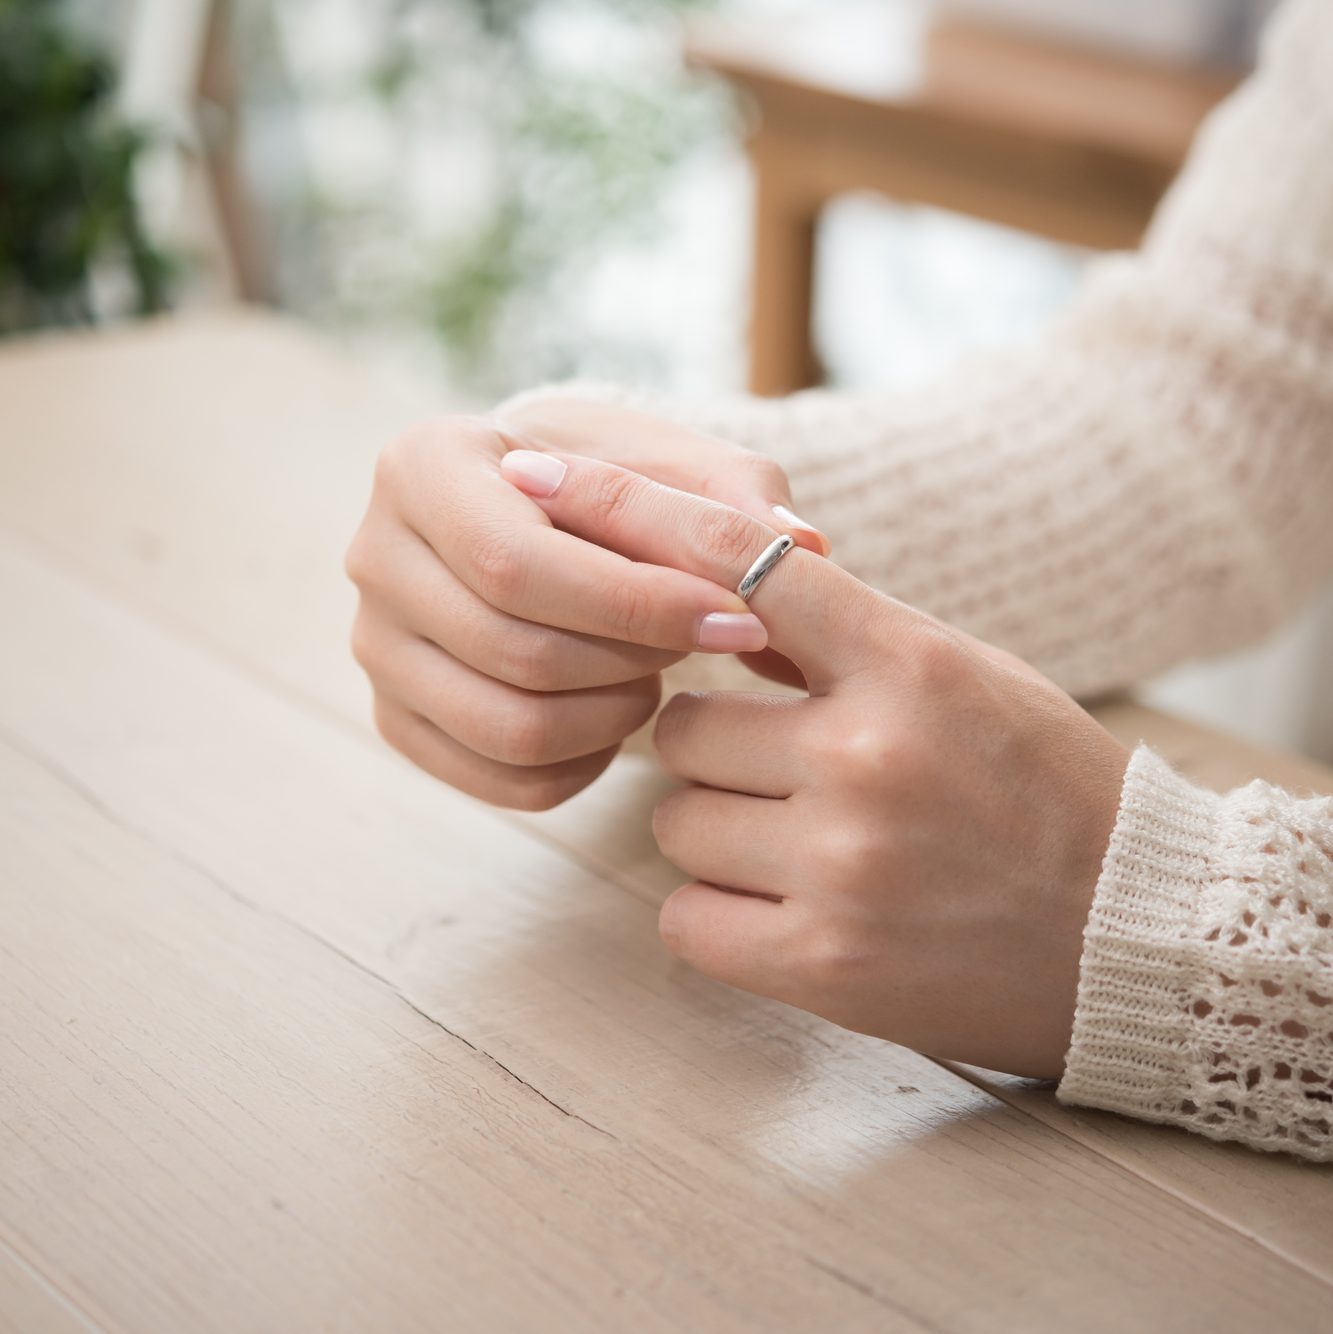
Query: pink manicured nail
{"points": [[538, 474], [731, 632], [792, 520]]}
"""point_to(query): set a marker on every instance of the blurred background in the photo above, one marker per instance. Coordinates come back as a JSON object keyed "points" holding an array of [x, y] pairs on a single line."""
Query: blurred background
{"points": [[491, 193]]}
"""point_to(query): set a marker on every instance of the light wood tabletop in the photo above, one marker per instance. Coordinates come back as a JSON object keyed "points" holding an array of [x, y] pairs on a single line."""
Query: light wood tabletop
{"points": [[294, 1038]]}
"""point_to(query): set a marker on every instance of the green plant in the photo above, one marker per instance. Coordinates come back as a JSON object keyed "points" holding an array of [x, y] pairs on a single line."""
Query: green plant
{"points": [[67, 205], [576, 159]]}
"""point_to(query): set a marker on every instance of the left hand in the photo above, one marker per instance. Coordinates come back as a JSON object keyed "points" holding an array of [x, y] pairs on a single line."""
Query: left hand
{"points": [[911, 851]]}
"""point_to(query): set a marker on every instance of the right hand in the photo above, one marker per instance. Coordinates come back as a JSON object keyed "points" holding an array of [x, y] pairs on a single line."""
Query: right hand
{"points": [[510, 659], [911, 850]]}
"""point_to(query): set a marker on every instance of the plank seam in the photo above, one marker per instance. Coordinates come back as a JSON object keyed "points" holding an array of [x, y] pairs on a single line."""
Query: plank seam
{"points": [[311, 706], [1116, 1161], [26, 1263], [76, 787]]}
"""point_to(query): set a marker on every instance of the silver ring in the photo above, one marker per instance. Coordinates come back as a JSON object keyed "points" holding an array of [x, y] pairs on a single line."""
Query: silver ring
{"points": [[768, 558]]}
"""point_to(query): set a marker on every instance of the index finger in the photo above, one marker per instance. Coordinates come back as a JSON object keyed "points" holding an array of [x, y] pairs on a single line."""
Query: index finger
{"points": [[507, 550], [817, 615]]}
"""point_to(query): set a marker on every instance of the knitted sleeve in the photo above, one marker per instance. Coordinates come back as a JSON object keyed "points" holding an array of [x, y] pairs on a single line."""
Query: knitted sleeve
{"points": [[1205, 992], [1151, 480]]}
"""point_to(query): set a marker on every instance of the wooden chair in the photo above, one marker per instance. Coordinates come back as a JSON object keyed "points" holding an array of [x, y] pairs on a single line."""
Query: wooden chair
{"points": [[1065, 142], [179, 71]]}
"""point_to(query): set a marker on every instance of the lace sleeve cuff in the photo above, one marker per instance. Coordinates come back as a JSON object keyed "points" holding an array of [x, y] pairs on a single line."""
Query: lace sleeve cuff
{"points": [[1206, 980]]}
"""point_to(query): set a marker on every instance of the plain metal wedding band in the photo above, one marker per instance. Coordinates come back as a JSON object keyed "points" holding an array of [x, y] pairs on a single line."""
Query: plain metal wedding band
{"points": [[768, 558]]}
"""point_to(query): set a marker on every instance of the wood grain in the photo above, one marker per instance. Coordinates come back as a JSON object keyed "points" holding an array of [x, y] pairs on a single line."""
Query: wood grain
{"points": [[283, 918], [1067, 142], [446, 1037], [28, 1302], [1062, 89]]}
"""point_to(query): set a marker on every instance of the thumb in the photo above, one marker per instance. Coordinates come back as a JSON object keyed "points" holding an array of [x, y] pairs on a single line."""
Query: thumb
{"points": [[816, 614]]}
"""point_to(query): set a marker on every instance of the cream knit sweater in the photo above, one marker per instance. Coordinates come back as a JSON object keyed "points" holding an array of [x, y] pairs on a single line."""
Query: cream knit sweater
{"points": [[1151, 481]]}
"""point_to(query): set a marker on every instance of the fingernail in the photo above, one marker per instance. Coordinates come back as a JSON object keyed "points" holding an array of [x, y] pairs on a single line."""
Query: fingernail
{"points": [[792, 520], [731, 632], [537, 474]]}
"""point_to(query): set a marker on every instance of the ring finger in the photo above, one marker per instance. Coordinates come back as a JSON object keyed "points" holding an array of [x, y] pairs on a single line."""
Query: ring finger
{"points": [[733, 740], [727, 839], [492, 718], [524, 787]]}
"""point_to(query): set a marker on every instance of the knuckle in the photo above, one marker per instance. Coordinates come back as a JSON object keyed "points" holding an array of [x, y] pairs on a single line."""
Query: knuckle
{"points": [[673, 924], [666, 817], [612, 495], [727, 538], [767, 472], [846, 853], [832, 958], [630, 612], [935, 657], [404, 460], [558, 417], [536, 410], [359, 559], [648, 691], [524, 735], [497, 567], [543, 792], [868, 748], [362, 641], [864, 749], [390, 724], [530, 657], [478, 432], [397, 461], [909, 765]]}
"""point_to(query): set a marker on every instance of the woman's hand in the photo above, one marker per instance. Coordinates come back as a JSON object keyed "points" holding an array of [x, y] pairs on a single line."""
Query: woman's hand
{"points": [[510, 659], [912, 850]]}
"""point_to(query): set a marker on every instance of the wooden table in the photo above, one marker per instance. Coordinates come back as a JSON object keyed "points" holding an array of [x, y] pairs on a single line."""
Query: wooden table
{"points": [[293, 1038], [1073, 144]]}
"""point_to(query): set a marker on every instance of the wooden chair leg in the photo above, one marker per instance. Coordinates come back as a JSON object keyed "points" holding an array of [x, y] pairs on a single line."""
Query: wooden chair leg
{"points": [[215, 90], [782, 357]]}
